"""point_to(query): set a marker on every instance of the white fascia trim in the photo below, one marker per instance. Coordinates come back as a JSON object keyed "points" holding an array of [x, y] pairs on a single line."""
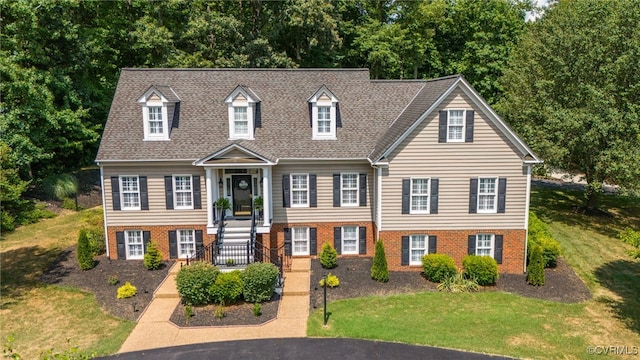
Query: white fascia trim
{"points": [[226, 149], [322, 159], [142, 161]]}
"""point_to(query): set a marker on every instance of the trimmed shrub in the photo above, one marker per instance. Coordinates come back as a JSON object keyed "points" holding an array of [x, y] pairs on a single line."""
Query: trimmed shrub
{"points": [[328, 256], [483, 269], [227, 289], [550, 251], [332, 281], [126, 291], [458, 283], [535, 269], [259, 282], [437, 267], [540, 235], [153, 257], [193, 282], [85, 255], [257, 309], [96, 241], [379, 269]]}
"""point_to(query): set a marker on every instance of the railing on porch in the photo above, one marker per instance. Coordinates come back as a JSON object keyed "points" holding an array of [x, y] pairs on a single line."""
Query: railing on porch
{"points": [[204, 253]]}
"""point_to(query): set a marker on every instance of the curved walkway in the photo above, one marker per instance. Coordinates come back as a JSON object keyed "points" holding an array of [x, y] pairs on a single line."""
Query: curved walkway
{"points": [[154, 330]]}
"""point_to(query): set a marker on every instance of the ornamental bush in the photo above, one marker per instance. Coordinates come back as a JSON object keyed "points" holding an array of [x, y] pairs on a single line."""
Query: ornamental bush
{"points": [[328, 256], [458, 283], [193, 282], [539, 235], [126, 291], [153, 257], [437, 267], [535, 269], [227, 289], [332, 281], [96, 241], [483, 269], [379, 269], [259, 282], [84, 253]]}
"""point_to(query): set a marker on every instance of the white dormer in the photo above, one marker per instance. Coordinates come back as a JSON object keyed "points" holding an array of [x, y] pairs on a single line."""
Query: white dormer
{"points": [[323, 106], [154, 112], [241, 104]]}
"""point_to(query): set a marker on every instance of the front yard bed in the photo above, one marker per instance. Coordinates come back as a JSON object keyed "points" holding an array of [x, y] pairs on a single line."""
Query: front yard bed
{"points": [[238, 314]]}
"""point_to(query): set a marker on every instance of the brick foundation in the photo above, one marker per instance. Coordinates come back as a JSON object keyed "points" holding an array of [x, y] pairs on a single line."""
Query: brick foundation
{"points": [[325, 234]]}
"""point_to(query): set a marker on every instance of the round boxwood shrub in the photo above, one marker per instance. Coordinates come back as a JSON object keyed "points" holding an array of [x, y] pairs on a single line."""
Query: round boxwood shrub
{"points": [[437, 267], [483, 269], [379, 268], [328, 256], [259, 281], [535, 269], [193, 282], [126, 291], [227, 289]]}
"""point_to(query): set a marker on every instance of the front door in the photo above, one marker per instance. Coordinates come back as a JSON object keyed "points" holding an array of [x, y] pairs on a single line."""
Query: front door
{"points": [[241, 195]]}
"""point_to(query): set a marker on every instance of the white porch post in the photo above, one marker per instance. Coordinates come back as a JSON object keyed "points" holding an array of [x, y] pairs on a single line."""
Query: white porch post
{"points": [[266, 194], [210, 185]]}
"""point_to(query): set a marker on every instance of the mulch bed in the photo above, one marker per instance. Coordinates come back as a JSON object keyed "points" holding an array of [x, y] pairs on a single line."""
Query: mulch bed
{"points": [[240, 314]]}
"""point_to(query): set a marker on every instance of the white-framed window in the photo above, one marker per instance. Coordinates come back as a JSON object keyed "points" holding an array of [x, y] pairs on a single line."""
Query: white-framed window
{"points": [[349, 240], [324, 120], [420, 196], [186, 243], [156, 125], [130, 192], [349, 184], [487, 195], [240, 121], [155, 116], [134, 244], [299, 190], [300, 239], [241, 114], [484, 244], [417, 248], [324, 106], [183, 192], [455, 126]]}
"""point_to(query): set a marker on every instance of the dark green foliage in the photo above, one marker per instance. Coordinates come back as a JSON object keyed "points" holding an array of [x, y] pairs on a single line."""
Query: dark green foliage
{"points": [[535, 269], [257, 309], [539, 235], [61, 187], [153, 257], [69, 204], [483, 269], [259, 282], [193, 282], [113, 280], [379, 269], [328, 256], [227, 289], [437, 267], [632, 238], [85, 255], [96, 241]]}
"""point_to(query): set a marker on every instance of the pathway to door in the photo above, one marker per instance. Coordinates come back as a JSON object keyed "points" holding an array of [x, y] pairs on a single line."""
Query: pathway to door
{"points": [[154, 330]]}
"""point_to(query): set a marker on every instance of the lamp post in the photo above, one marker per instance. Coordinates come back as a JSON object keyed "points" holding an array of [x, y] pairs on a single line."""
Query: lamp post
{"points": [[324, 318]]}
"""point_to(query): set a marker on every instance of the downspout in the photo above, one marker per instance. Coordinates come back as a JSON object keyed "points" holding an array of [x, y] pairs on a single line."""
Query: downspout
{"points": [[104, 210], [526, 217], [378, 202]]}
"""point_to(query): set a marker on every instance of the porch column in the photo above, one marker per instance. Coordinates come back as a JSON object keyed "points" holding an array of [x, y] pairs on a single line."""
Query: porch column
{"points": [[266, 194], [209, 185]]}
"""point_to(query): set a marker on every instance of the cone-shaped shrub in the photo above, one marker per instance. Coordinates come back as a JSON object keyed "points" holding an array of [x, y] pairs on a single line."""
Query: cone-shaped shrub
{"points": [[85, 255], [379, 269], [153, 257], [328, 256], [535, 269]]}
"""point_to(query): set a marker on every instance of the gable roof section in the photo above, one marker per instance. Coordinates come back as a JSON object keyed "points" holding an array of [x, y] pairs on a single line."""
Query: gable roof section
{"points": [[165, 91], [235, 147]]}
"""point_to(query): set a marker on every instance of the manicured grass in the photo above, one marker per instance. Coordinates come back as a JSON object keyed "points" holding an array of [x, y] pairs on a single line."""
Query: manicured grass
{"points": [[43, 317], [511, 325]]}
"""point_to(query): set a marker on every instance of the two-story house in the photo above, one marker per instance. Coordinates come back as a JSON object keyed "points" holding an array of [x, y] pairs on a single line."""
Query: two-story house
{"points": [[424, 165]]}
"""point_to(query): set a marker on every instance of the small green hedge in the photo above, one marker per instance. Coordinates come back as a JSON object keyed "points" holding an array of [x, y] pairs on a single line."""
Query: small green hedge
{"points": [[84, 252], [539, 235], [153, 257], [535, 269], [227, 289], [483, 269], [328, 256], [260, 281], [379, 268], [437, 267], [193, 283]]}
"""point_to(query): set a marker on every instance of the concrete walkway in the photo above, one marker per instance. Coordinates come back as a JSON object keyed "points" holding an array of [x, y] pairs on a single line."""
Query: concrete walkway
{"points": [[154, 330]]}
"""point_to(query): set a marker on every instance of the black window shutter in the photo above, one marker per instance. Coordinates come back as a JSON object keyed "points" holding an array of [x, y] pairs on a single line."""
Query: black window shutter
{"points": [[146, 239], [310, 114], [442, 127], [168, 191], [338, 116], [473, 195], [173, 244], [502, 195], [122, 251], [313, 241], [286, 193], [313, 190], [362, 245], [199, 239], [287, 242], [471, 250], [197, 192], [257, 117], [144, 193], [434, 196], [337, 239], [406, 195], [405, 251], [433, 244], [363, 190], [336, 190], [469, 126], [497, 252], [115, 192]]}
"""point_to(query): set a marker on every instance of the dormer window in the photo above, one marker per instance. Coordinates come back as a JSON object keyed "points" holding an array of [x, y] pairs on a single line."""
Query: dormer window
{"points": [[157, 102], [156, 126], [242, 105], [324, 114]]}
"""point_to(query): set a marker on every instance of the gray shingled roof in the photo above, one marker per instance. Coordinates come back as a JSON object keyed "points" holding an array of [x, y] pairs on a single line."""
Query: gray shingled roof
{"points": [[373, 113]]}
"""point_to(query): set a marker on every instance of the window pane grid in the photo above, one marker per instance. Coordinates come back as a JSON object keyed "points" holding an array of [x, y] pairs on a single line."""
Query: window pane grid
{"points": [[241, 123], [135, 248], [324, 120], [420, 195], [349, 189], [350, 240], [299, 189], [484, 244], [300, 240], [183, 192], [487, 194], [186, 243], [130, 192], [417, 248], [155, 120], [456, 124]]}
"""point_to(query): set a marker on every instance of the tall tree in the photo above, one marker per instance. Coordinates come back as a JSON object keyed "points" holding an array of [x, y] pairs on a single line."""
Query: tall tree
{"points": [[572, 92]]}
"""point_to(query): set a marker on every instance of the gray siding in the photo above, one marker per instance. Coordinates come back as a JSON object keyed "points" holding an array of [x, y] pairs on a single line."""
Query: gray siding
{"points": [[157, 213], [420, 155], [325, 212]]}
